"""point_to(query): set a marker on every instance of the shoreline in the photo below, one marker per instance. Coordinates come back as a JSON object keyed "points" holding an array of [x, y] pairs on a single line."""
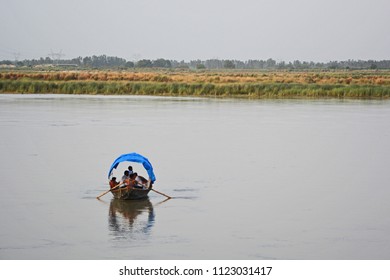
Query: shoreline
{"points": [[248, 85]]}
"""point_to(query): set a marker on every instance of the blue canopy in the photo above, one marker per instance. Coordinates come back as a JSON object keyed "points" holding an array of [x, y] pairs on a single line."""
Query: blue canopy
{"points": [[134, 157]]}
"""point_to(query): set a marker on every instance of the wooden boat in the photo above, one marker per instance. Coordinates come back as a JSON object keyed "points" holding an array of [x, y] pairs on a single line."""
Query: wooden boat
{"points": [[130, 193], [133, 193]]}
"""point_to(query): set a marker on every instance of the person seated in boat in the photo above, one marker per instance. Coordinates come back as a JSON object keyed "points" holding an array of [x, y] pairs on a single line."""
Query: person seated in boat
{"points": [[130, 182], [126, 175], [141, 180], [130, 168], [113, 182], [135, 181]]}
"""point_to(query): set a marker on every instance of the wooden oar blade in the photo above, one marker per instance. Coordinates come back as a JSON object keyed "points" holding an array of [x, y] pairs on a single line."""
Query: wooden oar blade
{"points": [[169, 197]]}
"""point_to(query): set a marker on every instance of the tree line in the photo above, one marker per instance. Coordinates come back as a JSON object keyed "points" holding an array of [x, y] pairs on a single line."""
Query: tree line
{"points": [[104, 61]]}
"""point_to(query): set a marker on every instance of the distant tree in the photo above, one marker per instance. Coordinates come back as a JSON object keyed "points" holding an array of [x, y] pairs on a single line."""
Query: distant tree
{"points": [[239, 64], [103, 61], [181, 65], [213, 64], [229, 64], [281, 65], [333, 65], [254, 64], [48, 60], [6, 62], [297, 64], [129, 64], [270, 63], [144, 63], [162, 63], [77, 60], [87, 61]]}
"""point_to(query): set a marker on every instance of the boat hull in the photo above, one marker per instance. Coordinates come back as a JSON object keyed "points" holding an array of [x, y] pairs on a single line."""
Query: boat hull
{"points": [[128, 193]]}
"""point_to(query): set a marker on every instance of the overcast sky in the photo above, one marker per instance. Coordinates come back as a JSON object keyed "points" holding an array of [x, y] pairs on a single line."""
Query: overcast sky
{"points": [[309, 30]]}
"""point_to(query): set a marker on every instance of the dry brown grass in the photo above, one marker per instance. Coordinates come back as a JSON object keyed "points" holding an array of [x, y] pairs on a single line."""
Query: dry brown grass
{"points": [[321, 78]]}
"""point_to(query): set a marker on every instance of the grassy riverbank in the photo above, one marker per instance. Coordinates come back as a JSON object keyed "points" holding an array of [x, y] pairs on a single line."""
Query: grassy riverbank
{"points": [[276, 84]]}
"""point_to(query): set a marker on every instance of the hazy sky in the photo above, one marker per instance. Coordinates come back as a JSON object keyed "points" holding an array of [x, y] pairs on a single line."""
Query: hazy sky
{"points": [[310, 30]]}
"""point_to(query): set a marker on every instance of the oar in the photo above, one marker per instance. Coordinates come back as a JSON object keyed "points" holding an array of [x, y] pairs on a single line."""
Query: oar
{"points": [[108, 191], [161, 193]]}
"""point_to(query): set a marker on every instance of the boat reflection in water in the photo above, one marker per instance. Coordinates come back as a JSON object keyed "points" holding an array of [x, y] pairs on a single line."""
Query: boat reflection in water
{"points": [[131, 219]]}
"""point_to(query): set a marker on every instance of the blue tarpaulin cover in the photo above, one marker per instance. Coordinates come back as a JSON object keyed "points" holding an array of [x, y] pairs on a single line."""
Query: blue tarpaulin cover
{"points": [[134, 157]]}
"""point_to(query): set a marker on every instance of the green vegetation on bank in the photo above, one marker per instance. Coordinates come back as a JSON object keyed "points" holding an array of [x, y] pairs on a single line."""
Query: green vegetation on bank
{"points": [[234, 83], [250, 90]]}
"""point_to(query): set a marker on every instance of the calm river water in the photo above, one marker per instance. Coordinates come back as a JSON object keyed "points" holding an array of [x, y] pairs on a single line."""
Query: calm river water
{"points": [[267, 179]]}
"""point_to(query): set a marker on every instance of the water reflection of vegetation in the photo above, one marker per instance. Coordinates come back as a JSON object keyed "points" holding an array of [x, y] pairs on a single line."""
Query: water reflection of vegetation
{"points": [[131, 219]]}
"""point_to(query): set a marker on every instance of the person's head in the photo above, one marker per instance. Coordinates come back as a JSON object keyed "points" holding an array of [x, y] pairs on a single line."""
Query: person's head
{"points": [[133, 175], [113, 179], [130, 168], [127, 172]]}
